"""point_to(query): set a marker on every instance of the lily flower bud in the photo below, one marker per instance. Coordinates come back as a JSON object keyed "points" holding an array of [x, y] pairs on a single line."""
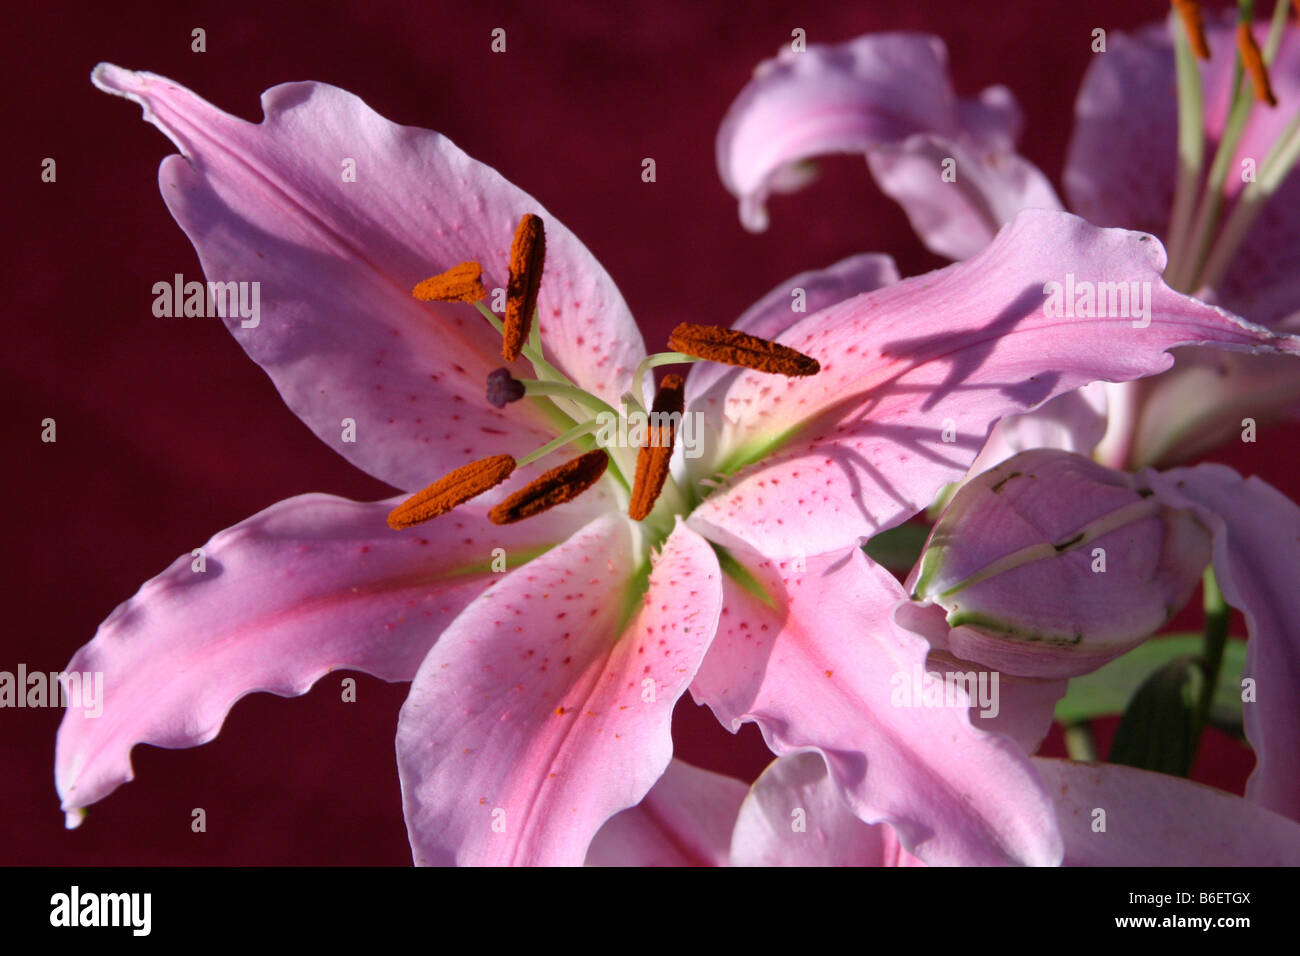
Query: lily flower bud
{"points": [[1050, 565]]}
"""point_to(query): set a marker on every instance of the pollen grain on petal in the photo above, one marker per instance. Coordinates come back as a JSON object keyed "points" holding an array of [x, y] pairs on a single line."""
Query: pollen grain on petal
{"points": [[452, 489], [731, 347], [653, 459], [1253, 63], [1194, 24], [527, 262], [555, 487], [462, 283]]}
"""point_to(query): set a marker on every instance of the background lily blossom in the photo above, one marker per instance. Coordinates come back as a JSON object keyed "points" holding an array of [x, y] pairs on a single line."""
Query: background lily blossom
{"points": [[951, 163]]}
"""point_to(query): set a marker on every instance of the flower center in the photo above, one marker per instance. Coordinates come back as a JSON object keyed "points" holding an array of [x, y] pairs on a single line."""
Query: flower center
{"points": [[646, 477]]}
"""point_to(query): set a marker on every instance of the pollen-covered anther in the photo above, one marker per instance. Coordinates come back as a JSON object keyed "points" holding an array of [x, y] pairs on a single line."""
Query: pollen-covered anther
{"points": [[555, 487], [655, 455], [451, 490], [1253, 63], [527, 262], [503, 388], [1194, 24], [730, 347], [462, 283]]}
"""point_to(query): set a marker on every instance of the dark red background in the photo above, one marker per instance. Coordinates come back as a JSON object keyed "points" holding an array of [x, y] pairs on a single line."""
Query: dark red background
{"points": [[167, 433]]}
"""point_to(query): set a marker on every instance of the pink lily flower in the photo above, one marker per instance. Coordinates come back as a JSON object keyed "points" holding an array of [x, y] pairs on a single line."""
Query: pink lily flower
{"points": [[951, 163], [541, 696]]}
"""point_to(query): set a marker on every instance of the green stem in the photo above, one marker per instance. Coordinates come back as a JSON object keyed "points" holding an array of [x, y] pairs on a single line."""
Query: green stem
{"points": [[573, 434], [1217, 618], [654, 361], [1191, 144], [1079, 742]]}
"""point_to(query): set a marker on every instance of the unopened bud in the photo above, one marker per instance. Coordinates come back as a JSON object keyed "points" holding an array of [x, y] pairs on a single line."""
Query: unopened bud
{"points": [[1049, 565]]}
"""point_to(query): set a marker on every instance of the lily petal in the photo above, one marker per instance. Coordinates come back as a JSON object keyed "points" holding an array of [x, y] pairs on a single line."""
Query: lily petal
{"points": [[914, 375], [310, 585], [1153, 819], [812, 291], [540, 714], [794, 816], [1257, 561], [957, 195], [869, 96], [340, 334], [685, 820], [819, 665]]}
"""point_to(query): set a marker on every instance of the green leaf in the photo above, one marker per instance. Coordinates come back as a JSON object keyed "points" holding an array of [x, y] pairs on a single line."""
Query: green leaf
{"points": [[1108, 690], [1159, 730], [898, 548]]}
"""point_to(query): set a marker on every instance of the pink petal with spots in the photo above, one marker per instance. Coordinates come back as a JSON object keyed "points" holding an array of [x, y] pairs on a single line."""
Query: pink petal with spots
{"points": [[1257, 561], [870, 92], [541, 713], [1152, 819], [914, 375], [822, 664], [685, 820], [810, 292], [1129, 96], [311, 585], [339, 332], [794, 816]]}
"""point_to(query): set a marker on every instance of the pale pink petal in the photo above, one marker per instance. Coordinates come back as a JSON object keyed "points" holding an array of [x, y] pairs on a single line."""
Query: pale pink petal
{"points": [[1257, 561], [540, 713], [1202, 401], [1022, 598], [685, 820], [1075, 421], [339, 332], [794, 816], [1111, 815], [810, 292], [957, 194], [1128, 96], [914, 375], [825, 666], [311, 585], [849, 98]]}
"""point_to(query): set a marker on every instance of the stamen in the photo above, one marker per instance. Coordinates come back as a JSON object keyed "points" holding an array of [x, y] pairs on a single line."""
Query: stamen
{"points": [[1194, 24], [451, 490], [462, 283], [503, 388], [653, 458], [555, 487], [738, 348], [527, 260], [1253, 63]]}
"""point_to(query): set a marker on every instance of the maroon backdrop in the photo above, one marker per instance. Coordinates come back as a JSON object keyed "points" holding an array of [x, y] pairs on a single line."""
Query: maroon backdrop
{"points": [[167, 433]]}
